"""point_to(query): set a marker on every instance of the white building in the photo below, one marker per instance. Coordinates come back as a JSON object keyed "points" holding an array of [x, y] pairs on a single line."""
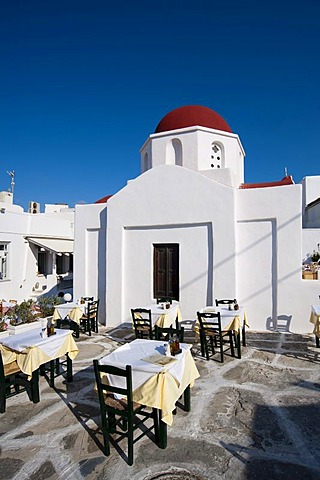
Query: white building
{"points": [[36, 249], [190, 228]]}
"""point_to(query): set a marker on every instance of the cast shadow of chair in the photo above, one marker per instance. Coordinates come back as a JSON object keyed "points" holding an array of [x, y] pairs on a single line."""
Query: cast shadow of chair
{"points": [[280, 324]]}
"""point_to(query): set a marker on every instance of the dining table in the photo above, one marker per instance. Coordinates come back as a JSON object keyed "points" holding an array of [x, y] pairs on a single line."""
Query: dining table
{"points": [[158, 380], [315, 319], [164, 317], [30, 350], [70, 310]]}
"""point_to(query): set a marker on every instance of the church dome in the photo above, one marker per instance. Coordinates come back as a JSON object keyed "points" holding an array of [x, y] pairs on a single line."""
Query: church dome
{"points": [[190, 116]]}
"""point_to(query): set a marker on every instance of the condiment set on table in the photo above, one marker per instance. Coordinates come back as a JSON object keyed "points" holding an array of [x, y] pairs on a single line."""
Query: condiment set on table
{"points": [[172, 347]]}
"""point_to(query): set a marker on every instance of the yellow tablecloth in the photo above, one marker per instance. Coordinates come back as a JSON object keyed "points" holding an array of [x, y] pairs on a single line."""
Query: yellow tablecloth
{"points": [[165, 318], [154, 385], [162, 390], [234, 324], [32, 357], [315, 319]]}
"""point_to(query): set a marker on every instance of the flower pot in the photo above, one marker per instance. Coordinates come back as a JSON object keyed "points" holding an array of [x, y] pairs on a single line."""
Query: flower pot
{"points": [[23, 327]]}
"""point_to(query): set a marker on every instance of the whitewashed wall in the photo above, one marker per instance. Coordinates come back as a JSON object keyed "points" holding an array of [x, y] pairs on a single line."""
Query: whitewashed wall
{"points": [[169, 204], [269, 253], [90, 254], [15, 224]]}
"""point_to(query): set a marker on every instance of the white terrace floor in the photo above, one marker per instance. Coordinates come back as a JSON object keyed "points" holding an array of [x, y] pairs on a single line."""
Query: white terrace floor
{"points": [[254, 418]]}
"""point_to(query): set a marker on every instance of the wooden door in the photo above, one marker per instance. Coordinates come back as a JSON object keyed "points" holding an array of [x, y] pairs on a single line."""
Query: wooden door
{"points": [[166, 271]]}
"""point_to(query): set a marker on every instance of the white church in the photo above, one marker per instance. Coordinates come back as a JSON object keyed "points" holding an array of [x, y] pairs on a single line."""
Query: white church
{"points": [[190, 228]]}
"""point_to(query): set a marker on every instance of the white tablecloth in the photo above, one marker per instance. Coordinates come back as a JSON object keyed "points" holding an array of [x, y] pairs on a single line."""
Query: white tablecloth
{"points": [[49, 345]]}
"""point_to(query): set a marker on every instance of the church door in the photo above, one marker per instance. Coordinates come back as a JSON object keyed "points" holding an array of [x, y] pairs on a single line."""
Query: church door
{"points": [[166, 271]]}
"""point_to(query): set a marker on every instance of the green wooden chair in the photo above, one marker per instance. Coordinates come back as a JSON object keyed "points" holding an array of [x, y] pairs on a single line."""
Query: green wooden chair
{"points": [[142, 323], [162, 333], [121, 417], [211, 335], [89, 320], [13, 382]]}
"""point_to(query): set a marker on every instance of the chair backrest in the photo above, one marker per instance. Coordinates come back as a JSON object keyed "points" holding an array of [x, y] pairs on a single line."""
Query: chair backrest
{"points": [[227, 301], [88, 299], [162, 333], [164, 300], [105, 389], [210, 321], [92, 309], [142, 323]]}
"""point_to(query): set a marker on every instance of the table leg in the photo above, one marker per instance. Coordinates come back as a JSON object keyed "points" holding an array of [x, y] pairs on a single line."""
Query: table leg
{"points": [[187, 399], [238, 336], [244, 335], [317, 342], [163, 437], [69, 369], [35, 386]]}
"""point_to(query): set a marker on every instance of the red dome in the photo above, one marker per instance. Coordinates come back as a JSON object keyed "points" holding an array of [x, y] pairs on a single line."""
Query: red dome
{"points": [[190, 116]]}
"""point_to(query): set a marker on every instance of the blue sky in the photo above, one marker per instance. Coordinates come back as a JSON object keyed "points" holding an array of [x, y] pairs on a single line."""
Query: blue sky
{"points": [[83, 84]]}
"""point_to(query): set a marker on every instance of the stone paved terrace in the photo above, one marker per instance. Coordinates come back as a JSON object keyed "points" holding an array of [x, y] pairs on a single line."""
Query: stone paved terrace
{"points": [[257, 417]]}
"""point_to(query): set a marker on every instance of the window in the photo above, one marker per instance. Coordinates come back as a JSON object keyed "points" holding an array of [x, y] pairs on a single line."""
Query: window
{"points": [[216, 155], [64, 264], [42, 262], [166, 271], [4, 261]]}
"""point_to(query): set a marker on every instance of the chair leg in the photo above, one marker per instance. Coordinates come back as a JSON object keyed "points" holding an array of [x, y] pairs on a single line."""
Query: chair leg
{"points": [[231, 343], [221, 348], [130, 442], [202, 343], [156, 424], [317, 342]]}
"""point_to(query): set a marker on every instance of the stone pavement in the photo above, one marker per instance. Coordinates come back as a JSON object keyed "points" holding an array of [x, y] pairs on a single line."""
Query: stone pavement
{"points": [[257, 417]]}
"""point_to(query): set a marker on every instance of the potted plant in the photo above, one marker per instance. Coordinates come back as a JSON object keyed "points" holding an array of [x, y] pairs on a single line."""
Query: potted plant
{"points": [[23, 317], [3, 328], [46, 305]]}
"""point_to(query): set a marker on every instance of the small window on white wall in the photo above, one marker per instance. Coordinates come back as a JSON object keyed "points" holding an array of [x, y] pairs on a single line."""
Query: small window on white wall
{"points": [[4, 261], [216, 155], [177, 147], [145, 162]]}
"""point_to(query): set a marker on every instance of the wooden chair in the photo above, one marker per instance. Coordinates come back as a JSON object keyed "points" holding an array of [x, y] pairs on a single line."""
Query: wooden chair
{"points": [[161, 333], [233, 302], [211, 335], [121, 417], [13, 382], [57, 367], [89, 321], [142, 323]]}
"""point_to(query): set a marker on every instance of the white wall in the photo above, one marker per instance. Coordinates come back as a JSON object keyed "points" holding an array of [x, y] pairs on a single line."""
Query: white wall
{"points": [[90, 254], [169, 204], [273, 250], [14, 227]]}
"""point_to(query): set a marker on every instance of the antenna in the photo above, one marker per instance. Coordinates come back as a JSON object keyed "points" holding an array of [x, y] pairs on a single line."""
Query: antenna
{"points": [[285, 171], [11, 174]]}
